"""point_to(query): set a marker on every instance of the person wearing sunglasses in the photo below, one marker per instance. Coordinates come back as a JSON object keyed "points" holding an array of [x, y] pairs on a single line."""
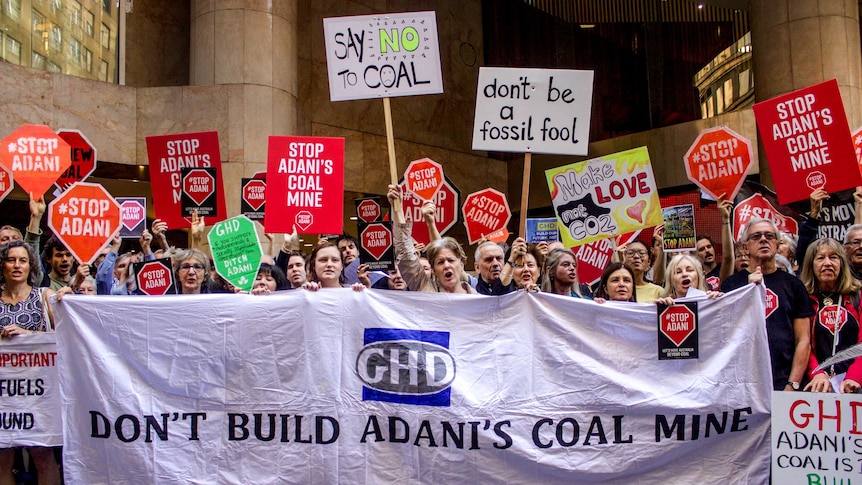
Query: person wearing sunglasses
{"points": [[788, 306]]}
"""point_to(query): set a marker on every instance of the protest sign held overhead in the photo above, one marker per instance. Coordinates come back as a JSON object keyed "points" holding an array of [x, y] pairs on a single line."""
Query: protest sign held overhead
{"points": [[718, 161], [83, 157], [679, 230], [6, 182], [305, 185], [603, 197], [236, 251], [168, 156], [533, 110], [253, 198], [375, 248], [386, 55], [84, 218], [368, 209], [757, 206], [200, 192], [424, 178], [154, 277], [807, 142], [133, 216], [544, 229], [36, 156], [485, 212], [448, 203]]}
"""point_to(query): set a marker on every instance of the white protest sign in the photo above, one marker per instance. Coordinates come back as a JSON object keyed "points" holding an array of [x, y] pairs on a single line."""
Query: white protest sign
{"points": [[386, 55], [30, 392], [815, 438], [533, 110]]}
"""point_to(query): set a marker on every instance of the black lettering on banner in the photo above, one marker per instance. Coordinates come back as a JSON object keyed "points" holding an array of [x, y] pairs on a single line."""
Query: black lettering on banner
{"points": [[507, 439]]}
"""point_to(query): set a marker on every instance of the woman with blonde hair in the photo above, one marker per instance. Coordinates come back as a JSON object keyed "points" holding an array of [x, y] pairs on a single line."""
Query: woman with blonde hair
{"points": [[683, 272], [561, 275]]}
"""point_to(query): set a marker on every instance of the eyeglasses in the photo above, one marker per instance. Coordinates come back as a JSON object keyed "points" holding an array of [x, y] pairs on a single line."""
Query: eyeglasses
{"points": [[636, 252], [855, 243], [757, 236], [196, 267]]}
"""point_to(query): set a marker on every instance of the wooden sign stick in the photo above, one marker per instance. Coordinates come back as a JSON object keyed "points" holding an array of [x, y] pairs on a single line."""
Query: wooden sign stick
{"points": [[525, 194], [390, 145]]}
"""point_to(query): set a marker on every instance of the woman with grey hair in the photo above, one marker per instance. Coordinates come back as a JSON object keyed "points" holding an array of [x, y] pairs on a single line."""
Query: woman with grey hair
{"points": [[191, 272], [834, 293]]}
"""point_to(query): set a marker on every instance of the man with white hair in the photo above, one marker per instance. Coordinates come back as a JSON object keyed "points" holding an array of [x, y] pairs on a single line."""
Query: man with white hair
{"points": [[787, 305]]}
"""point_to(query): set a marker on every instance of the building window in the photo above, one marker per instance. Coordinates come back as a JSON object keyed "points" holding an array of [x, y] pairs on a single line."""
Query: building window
{"points": [[39, 62], [75, 17], [13, 51], [56, 37], [728, 92], [106, 6], [88, 60], [75, 50], [103, 71], [13, 9], [89, 22], [54, 67], [744, 84], [106, 37], [56, 6]]}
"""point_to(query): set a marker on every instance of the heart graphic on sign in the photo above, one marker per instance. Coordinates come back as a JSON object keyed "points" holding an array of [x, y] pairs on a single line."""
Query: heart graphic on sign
{"points": [[636, 211]]}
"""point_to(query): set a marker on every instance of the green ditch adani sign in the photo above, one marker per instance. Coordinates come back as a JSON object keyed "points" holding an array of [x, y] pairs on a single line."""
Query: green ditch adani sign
{"points": [[236, 251]]}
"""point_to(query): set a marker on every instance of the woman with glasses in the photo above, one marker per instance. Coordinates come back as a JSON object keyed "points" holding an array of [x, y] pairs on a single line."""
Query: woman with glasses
{"points": [[636, 257], [835, 323], [24, 310], [192, 272], [561, 275]]}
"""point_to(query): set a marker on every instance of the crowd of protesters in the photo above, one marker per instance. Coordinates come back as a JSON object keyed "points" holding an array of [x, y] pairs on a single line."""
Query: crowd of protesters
{"points": [[809, 317]]}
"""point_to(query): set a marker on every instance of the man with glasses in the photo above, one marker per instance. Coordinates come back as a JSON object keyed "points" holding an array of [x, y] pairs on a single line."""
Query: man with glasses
{"points": [[787, 305], [853, 247]]}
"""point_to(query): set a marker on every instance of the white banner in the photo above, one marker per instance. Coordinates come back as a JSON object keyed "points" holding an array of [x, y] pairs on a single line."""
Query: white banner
{"points": [[29, 392], [392, 387], [533, 110], [384, 55]]}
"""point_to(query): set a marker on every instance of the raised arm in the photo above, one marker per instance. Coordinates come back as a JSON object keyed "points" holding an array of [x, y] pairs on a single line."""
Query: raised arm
{"points": [[725, 207]]}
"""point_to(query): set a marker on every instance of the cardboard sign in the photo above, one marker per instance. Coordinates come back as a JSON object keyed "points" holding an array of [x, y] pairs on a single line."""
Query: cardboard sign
{"points": [[368, 209], [533, 110], [83, 158], [815, 437], [154, 277], [168, 155], [133, 216], [677, 331], [807, 142], [387, 55], [485, 212], [448, 202], [376, 248], [236, 251], [679, 230], [305, 185], [599, 198], [756, 207], [252, 201], [544, 229], [84, 218], [718, 161], [424, 178], [200, 192], [36, 156], [6, 182]]}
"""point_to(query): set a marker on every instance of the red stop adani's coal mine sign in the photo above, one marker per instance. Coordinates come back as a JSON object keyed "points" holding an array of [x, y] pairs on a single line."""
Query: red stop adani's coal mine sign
{"points": [[84, 217], [485, 212], [83, 158], [717, 161]]}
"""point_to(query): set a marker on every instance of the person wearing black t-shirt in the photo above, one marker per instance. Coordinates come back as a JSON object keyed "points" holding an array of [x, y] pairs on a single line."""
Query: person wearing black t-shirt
{"points": [[787, 305]]}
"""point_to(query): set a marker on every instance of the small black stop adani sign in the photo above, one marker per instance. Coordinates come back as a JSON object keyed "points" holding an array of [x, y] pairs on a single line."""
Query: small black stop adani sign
{"points": [[376, 249], [677, 331], [199, 192]]}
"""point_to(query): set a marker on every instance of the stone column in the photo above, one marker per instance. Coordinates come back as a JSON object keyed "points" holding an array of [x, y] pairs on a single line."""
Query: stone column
{"points": [[797, 43], [249, 48]]}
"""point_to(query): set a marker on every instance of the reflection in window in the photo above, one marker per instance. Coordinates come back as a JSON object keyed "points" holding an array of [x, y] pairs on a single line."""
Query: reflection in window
{"points": [[39, 61], [12, 51], [106, 6], [106, 37], [52, 67], [88, 60], [75, 50], [75, 18], [103, 71], [13, 9]]}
